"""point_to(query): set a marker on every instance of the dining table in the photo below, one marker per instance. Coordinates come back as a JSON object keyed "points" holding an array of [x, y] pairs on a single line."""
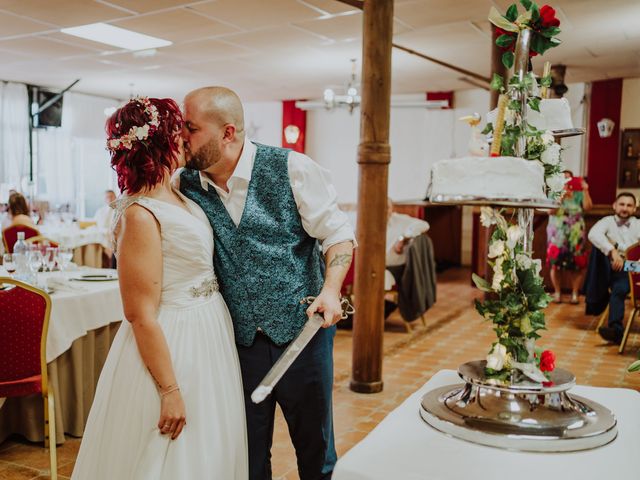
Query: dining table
{"points": [[86, 311]]}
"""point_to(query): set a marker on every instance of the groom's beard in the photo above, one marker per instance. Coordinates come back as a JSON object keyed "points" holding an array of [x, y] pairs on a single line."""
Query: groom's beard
{"points": [[204, 157]]}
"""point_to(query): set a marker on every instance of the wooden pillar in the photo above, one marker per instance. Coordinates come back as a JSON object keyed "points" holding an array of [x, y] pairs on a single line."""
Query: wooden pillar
{"points": [[374, 155]]}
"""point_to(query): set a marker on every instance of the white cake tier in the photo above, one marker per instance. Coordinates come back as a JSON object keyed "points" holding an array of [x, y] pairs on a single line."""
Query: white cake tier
{"points": [[488, 178], [555, 114]]}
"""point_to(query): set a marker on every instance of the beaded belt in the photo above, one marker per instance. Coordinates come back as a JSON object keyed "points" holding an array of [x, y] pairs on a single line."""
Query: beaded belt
{"points": [[207, 288]]}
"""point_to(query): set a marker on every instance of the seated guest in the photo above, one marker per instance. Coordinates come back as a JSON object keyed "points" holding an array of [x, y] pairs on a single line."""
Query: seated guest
{"points": [[104, 215], [613, 235], [400, 230], [18, 212]]}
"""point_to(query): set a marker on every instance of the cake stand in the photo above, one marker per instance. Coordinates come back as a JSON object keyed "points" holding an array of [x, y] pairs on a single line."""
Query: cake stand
{"points": [[518, 414]]}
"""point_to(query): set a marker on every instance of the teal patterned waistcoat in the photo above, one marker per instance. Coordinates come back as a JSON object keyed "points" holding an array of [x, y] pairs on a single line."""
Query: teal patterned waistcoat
{"points": [[268, 263]]}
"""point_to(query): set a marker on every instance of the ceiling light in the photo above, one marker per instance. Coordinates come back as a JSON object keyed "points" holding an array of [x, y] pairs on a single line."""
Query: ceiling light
{"points": [[116, 36]]}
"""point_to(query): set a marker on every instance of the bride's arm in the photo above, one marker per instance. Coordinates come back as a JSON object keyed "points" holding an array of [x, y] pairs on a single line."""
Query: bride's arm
{"points": [[140, 276]]}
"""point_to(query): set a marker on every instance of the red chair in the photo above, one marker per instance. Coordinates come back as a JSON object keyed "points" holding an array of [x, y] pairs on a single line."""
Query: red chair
{"points": [[24, 322], [633, 254], [10, 235]]}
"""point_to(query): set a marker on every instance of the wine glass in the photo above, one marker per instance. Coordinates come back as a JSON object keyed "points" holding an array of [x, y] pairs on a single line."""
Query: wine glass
{"points": [[50, 257], [64, 257], [9, 263], [35, 260]]}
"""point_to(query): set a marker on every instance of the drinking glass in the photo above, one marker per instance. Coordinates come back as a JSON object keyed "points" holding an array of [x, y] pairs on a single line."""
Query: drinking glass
{"points": [[64, 257], [35, 260], [50, 257], [9, 263]]}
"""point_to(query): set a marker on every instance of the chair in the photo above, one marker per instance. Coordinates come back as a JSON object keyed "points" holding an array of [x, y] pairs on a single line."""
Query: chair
{"points": [[24, 322], [10, 235], [42, 240], [633, 254]]}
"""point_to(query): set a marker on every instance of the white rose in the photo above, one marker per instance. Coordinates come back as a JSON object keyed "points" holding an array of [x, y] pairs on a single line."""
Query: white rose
{"points": [[514, 233], [556, 182], [537, 265], [497, 358], [523, 261], [498, 275], [548, 138], [142, 132], [487, 216], [551, 154], [496, 249]]}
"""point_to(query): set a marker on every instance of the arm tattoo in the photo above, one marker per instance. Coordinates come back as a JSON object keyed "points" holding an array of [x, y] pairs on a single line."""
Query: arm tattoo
{"points": [[154, 378], [341, 260]]}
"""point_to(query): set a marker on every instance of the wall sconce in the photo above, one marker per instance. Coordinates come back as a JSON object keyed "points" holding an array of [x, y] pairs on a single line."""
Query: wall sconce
{"points": [[291, 134], [605, 127]]}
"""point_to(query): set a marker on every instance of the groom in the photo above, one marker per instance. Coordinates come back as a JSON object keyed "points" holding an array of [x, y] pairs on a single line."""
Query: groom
{"points": [[269, 207]]}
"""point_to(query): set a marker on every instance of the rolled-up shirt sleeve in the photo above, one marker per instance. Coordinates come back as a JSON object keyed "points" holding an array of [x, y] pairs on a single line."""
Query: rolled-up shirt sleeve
{"points": [[598, 236], [316, 199]]}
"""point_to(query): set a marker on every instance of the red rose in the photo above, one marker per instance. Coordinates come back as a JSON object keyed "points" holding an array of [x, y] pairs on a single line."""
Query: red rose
{"points": [[548, 17], [547, 361], [553, 251], [580, 260]]}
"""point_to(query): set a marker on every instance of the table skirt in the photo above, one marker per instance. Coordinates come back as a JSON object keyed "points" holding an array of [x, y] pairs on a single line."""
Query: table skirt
{"points": [[73, 377]]}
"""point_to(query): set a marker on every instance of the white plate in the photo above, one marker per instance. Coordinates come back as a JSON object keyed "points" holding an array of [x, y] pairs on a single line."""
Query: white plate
{"points": [[95, 277]]}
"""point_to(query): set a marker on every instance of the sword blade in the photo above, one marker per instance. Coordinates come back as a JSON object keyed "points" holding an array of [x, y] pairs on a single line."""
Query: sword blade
{"points": [[287, 358]]}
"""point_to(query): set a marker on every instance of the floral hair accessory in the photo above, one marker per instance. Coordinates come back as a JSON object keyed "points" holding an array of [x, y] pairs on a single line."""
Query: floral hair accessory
{"points": [[137, 133]]}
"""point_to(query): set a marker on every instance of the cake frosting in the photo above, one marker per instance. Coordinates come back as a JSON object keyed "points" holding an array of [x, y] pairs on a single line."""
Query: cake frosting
{"points": [[554, 114], [488, 177]]}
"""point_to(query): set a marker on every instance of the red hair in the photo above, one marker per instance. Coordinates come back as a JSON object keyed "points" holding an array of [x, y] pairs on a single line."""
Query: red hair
{"points": [[148, 160]]}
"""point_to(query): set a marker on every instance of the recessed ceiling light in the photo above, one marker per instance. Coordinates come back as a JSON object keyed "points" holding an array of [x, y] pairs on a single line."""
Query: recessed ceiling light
{"points": [[116, 36]]}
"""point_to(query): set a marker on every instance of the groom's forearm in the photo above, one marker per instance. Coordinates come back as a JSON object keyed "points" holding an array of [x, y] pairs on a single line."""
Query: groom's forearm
{"points": [[338, 260]]}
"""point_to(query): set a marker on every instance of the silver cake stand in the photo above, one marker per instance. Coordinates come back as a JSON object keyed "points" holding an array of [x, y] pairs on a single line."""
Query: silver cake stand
{"points": [[495, 201], [518, 416]]}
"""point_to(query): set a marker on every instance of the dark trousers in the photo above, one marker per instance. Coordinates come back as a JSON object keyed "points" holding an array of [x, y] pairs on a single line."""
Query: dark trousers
{"points": [[619, 291], [305, 396]]}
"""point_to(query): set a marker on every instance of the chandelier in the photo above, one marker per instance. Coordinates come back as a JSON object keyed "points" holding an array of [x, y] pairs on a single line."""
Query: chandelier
{"points": [[350, 99]]}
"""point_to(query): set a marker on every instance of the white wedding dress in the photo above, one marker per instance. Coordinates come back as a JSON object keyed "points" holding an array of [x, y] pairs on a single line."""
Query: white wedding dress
{"points": [[121, 440]]}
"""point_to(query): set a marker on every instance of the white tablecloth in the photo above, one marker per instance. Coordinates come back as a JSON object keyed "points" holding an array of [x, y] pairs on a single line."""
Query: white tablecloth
{"points": [[71, 236], [404, 447], [74, 313]]}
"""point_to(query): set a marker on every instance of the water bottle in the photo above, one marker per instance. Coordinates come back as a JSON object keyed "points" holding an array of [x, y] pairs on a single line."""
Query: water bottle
{"points": [[20, 252]]}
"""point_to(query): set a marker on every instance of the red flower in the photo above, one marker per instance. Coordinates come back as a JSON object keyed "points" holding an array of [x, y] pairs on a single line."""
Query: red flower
{"points": [[580, 260], [548, 17], [547, 361], [553, 251]]}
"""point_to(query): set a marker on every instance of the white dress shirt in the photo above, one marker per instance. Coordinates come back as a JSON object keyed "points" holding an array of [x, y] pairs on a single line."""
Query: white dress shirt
{"points": [[400, 225], [606, 234], [312, 190]]}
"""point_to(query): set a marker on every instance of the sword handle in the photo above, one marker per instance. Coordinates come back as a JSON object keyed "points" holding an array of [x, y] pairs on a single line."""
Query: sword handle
{"points": [[347, 307]]}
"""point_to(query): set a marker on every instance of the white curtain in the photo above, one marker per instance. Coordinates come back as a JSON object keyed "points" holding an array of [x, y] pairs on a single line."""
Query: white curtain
{"points": [[73, 163], [14, 136]]}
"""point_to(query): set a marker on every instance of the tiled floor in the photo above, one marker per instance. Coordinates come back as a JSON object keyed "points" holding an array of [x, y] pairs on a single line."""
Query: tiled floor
{"points": [[454, 334]]}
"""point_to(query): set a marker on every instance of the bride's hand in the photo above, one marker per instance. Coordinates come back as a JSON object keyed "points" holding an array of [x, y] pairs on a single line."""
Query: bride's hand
{"points": [[172, 414]]}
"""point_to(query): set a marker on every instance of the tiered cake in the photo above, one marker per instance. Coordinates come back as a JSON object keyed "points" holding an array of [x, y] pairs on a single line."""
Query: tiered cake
{"points": [[490, 178]]}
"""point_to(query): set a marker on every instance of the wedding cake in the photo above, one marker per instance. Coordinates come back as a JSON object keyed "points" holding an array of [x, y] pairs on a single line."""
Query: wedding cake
{"points": [[554, 115], [488, 178]]}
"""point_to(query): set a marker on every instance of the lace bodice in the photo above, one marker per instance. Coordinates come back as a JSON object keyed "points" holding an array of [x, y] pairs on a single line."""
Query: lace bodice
{"points": [[187, 248]]}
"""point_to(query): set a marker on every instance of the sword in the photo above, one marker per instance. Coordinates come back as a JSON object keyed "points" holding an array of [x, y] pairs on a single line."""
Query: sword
{"points": [[294, 349]]}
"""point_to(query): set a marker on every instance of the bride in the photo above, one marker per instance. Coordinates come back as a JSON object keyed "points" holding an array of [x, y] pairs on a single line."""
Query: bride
{"points": [[169, 402]]}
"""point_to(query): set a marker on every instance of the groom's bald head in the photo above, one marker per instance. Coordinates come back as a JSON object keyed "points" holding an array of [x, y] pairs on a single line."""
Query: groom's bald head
{"points": [[219, 105], [213, 128]]}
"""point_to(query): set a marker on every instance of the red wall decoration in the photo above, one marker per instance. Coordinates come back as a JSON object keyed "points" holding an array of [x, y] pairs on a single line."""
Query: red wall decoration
{"points": [[291, 115], [448, 96], [602, 153]]}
